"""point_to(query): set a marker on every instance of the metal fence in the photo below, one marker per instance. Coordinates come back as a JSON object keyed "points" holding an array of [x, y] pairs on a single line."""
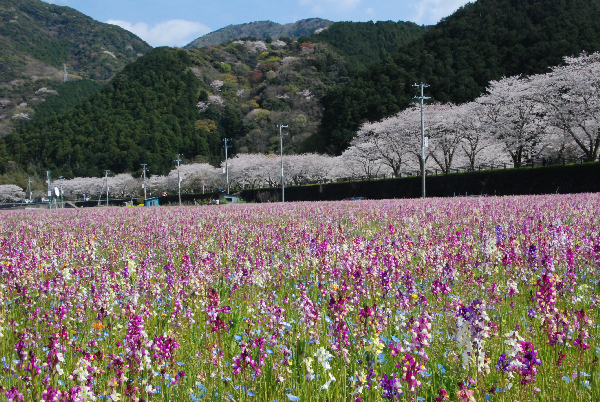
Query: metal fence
{"points": [[530, 163]]}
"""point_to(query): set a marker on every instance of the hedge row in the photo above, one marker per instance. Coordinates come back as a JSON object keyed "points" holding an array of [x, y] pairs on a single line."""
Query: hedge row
{"points": [[577, 178]]}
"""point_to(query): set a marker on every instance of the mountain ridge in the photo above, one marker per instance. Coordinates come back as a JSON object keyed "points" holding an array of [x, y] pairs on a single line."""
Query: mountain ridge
{"points": [[260, 30]]}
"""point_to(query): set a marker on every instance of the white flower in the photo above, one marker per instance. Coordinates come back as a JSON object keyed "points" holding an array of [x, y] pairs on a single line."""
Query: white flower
{"points": [[331, 379], [323, 357], [308, 362]]}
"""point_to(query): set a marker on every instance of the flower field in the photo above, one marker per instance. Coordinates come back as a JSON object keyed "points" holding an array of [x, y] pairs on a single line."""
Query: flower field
{"points": [[465, 299]]}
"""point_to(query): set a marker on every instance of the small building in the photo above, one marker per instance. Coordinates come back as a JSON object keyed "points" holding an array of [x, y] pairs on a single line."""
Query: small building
{"points": [[151, 202], [232, 199]]}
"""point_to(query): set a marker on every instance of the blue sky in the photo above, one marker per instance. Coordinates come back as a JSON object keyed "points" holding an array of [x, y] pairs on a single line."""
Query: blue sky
{"points": [[178, 22]]}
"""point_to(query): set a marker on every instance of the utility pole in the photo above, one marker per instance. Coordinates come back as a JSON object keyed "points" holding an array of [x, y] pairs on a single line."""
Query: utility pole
{"points": [[49, 191], [281, 155], [226, 140], [62, 204], [144, 173], [106, 178], [178, 177], [66, 77], [29, 186], [422, 98]]}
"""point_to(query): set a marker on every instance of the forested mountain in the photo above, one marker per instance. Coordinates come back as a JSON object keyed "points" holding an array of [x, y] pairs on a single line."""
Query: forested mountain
{"points": [[364, 43], [37, 39], [260, 30], [174, 101], [484, 40], [187, 101]]}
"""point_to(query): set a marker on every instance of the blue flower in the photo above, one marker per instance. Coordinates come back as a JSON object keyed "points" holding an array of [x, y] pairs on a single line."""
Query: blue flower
{"points": [[292, 397]]}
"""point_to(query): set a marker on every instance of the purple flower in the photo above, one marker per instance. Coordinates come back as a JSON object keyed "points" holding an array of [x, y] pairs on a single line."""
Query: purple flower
{"points": [[503, 363], [13, 395], [391, 387]]}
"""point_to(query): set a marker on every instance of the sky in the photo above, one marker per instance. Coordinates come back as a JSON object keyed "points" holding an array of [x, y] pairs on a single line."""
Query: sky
{"points": [[178, 22]]}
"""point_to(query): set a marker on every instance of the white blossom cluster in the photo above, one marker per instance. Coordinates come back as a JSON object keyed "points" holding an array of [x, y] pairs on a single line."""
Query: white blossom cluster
{"points": [[217, 85], [21, 116], [253, 46], [11, 193], [46, 91], [259, 171]]}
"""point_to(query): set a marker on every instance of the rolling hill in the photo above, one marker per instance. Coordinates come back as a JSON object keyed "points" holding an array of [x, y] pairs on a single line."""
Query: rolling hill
{"points": [[177, 101], [37, 39]]}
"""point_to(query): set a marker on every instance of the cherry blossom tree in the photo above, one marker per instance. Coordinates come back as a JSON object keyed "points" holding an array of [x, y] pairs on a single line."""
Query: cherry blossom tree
{"points": [[514, 119], [192, 175], [309, 168], [78, 186], [121, 185], [477, 145], [259, 170], [571, 96], [386, 137], [156, 184], [252, 170], [363, 159], [11, 193], [398, 140], [445, 135]]}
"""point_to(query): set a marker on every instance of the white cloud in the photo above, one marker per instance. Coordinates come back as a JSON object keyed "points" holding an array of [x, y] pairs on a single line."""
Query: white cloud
{"points": [[168, 33], [431, 11], [337, 5]]}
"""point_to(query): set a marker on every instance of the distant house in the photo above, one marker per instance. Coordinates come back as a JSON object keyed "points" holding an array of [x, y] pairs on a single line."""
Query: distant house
{"points": [[151, 202]]}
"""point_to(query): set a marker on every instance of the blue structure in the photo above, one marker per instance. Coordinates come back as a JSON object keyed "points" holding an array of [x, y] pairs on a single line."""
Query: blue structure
{"points": [[232, 199], [151, 202]]}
